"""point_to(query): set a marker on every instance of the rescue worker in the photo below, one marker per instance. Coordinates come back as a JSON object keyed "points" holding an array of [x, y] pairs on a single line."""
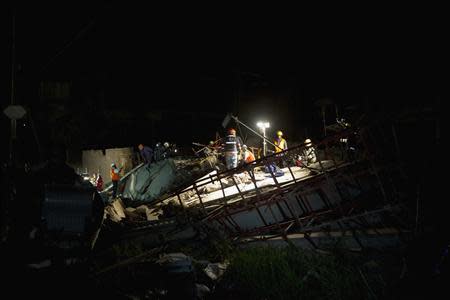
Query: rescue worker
{"points": [[232, 148], [166, 150], [247, 155], [99, 183], [146, 153], [309, 153], [115, 177], [159, 151], [280, 142]]}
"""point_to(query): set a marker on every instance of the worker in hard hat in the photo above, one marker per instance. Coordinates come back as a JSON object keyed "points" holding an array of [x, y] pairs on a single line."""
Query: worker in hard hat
{"points": [[247, 155], [309, 153], [159, 151], [115, 177], [166, 150], [232, 148], [280, 142]]}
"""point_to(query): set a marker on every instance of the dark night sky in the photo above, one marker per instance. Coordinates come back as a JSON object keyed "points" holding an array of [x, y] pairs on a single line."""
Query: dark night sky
{"points": [[141, 60]]}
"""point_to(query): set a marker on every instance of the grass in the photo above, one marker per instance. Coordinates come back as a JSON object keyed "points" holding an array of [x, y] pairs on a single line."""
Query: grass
{"points": [[290, 273]]}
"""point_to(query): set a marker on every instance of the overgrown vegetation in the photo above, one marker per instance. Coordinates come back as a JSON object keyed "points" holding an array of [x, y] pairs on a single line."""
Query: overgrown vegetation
{"points": [[214, 251], [124, 251], [266, 272], [290, 273]]}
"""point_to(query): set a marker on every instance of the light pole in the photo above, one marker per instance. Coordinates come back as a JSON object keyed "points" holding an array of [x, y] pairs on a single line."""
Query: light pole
{"points": [[263, 126]]}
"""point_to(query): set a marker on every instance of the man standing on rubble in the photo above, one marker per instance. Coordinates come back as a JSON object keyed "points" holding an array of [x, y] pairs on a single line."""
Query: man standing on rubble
{"points": [[309, 153], [166, 150], [280, 142], [159, 150], [232, 147], [115, 177], [280, 145], [146, 153]]}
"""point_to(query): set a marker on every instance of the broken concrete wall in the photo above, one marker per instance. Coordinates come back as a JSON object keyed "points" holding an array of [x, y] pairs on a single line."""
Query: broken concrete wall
{"points": [[100, 161], [150, 182]]}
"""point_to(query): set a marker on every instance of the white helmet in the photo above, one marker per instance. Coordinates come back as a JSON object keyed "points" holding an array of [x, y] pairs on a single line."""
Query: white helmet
{"points": [[112, 165], [308, 142]]}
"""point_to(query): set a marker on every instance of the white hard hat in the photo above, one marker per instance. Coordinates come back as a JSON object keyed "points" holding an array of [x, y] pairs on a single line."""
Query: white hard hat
{"points": [[112, 165], [308, 142]]}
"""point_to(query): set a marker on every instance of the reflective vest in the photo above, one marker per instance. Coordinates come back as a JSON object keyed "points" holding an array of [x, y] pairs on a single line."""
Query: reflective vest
{"points": [[232, 143], [115, 174], [249, 157], [281, 144]]}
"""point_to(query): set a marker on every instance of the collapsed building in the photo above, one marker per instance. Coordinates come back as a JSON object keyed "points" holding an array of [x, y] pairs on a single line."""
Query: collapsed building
{"points": [[354, 196], [351, 196]]}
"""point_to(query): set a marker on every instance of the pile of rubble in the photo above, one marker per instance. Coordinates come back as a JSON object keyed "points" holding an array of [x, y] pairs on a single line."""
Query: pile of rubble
{"points": [[148, 183], [272, 197], [117, 212]]}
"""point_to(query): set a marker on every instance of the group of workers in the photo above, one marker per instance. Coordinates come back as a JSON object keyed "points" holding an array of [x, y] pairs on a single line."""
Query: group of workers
{"points": [[235, 152], [161, 151], [147, 156]]}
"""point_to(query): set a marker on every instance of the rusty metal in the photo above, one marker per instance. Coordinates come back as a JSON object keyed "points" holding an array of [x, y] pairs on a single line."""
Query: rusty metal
{"points": [[334, 188]]}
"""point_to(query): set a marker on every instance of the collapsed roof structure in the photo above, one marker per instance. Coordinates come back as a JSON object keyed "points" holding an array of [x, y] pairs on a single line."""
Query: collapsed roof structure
{"points": [[352, 196]]}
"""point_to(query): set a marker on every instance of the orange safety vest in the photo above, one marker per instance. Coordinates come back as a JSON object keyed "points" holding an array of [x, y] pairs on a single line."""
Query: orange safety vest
{"points": [[282, 144], [114, 176], [249, 157]]}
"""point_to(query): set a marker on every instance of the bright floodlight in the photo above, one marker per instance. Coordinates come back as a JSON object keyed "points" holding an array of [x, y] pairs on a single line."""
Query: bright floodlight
{"points": [[263, 125]]}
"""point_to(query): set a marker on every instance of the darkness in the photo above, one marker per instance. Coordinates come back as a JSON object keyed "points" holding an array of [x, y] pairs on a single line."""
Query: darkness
{"points": [[148, 73], [107, 75]]}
